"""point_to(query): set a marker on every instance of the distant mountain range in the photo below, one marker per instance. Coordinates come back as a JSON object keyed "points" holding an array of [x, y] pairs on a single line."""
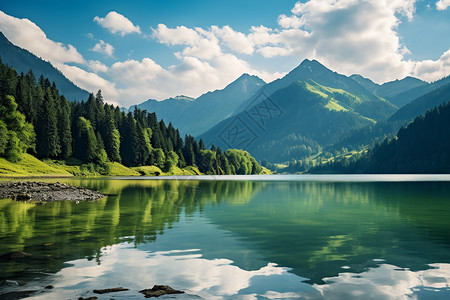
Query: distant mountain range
{"points": [[24, 61], [401, 92], [310, 109], [195, 116], [298, 114]]}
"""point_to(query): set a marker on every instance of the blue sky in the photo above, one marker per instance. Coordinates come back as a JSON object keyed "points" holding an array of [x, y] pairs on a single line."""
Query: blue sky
{"points": [[136, 50]]}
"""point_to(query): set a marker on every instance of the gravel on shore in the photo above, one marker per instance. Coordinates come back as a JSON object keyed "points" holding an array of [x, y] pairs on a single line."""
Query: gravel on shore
{"points": [[46, 192]]}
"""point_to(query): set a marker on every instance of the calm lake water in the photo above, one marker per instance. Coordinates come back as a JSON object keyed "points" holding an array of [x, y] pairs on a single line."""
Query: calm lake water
{"points": [[239, 237]]}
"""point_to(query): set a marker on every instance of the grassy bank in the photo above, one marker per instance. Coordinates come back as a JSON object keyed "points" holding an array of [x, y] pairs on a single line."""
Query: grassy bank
{"points": [[30, 166]]}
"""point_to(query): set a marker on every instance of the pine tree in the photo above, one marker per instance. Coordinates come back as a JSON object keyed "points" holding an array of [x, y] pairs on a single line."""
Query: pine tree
{"points": [[86, 143], [49, 146], [64, 128], [112, 139]]}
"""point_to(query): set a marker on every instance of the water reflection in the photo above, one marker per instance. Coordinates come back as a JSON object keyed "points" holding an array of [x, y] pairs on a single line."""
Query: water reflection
{"points": [[258, 240], [220, 279]]}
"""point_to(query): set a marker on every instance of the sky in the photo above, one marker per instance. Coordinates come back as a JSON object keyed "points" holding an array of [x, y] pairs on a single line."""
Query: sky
{"points": [[139, 50]]}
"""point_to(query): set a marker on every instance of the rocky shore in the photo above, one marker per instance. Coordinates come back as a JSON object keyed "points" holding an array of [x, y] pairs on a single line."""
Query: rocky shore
{"points": [[46, 192]]}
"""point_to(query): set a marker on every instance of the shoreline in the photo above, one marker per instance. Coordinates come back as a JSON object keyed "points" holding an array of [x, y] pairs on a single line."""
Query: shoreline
{"points": [[46, 192]]}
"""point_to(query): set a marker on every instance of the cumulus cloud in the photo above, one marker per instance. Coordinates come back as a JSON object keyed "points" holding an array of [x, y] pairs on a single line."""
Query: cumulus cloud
{"points": [[442, 4], [96, 66], [289, 22], [103, 47], [236, 41], [27, 35], [180, 35], [193, 76], [91, 82], [430, 70], [349, 36], [117, 23]]}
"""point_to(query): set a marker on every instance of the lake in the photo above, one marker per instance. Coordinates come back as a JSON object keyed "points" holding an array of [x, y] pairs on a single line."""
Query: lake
{"points": [[237, 237]]}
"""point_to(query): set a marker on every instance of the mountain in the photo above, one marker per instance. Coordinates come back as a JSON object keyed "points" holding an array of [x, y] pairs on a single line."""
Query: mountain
{"points": [[366, 83], [407, 96], [294, 122], [295, 116], [392, 89], [387, 128], [422, 147], [22, 61], [195, 116], [419, 106], [172, 108], [312, 69]]}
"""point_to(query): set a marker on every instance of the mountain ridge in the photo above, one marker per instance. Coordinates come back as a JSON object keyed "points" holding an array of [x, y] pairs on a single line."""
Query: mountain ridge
{"points": [[23, 60], [196, 116]]}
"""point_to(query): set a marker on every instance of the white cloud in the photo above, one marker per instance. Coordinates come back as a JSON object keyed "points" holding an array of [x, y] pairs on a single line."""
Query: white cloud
{"points": [[442, 4], [430, 70], [96, 66], [103, 47], [235, 41], [27, 35], [91, 82], [117, 23], [141, 80], [289, 22], [347, 35], [179, 35]]}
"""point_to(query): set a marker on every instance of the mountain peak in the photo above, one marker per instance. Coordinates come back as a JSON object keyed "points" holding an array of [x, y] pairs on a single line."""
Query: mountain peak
{"points": [[310, 67], [311, 63], [245, 80], [247, 76]]}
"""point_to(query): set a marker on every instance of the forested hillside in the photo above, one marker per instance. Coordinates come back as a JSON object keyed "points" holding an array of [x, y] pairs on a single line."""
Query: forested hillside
{"points": [[422, 147], [375, 133], [35, 117]]}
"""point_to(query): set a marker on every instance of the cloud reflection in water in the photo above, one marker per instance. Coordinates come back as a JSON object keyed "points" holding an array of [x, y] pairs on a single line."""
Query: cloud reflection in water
{"points": [[124, 265]]}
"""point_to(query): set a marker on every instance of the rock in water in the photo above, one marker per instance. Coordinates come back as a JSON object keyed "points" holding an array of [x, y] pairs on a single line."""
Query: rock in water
{"points": [[103, 291], [15, 254], [159, 290]]}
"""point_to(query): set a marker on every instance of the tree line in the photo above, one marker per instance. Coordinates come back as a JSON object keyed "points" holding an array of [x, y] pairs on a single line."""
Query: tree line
{"points": [[36, 118]]}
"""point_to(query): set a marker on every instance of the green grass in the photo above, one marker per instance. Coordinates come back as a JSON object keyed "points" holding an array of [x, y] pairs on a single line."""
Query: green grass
{"points": [[155, 171], [30, 166], [77, 169], [333, 105], [148, 170], [116, 169]]}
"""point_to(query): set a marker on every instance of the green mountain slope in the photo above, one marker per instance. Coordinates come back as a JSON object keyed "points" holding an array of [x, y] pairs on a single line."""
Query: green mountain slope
{"points": [[422, 104], [301, 119], [387, 128], [22, 61], [312, 69], [422, 147]]}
